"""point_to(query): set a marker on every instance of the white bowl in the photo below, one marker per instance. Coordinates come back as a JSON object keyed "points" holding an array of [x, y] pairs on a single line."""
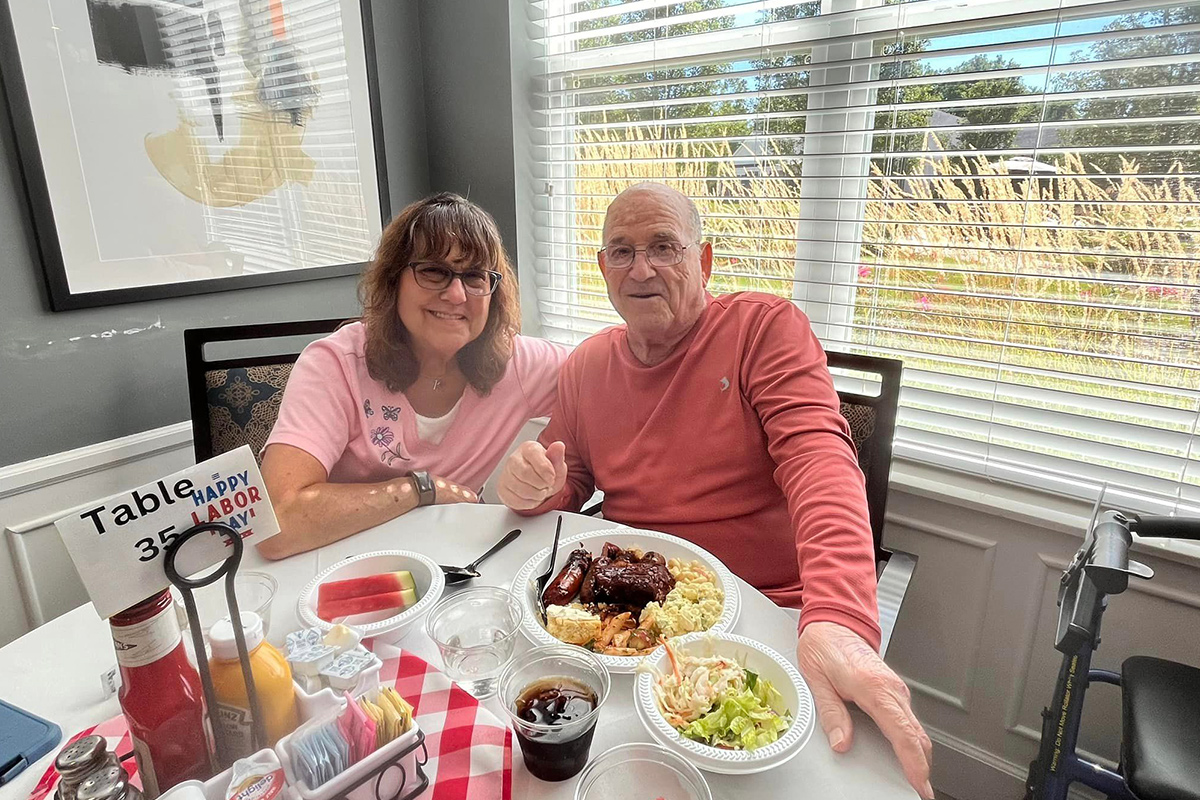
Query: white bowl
{"points": [[382, 625], [670, 546], [771, 666]]}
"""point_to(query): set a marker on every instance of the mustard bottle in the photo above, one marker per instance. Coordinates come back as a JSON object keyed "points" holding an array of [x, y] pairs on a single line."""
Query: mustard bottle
{"points": [[272, 681]]}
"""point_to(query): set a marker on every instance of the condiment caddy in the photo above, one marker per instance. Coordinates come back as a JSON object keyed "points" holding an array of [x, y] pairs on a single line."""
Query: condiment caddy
{"points": [[255, 702], [392, 772]]}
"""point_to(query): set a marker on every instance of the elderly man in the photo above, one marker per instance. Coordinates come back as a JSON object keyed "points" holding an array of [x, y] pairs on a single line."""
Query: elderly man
{"points": [[716, 419]]}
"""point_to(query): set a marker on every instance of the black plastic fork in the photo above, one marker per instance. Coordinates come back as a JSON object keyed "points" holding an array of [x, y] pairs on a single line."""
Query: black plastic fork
{"points": [[544, 578]]}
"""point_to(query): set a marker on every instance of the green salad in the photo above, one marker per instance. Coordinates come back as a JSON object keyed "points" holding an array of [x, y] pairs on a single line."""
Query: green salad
{"points": [[717, 701]]}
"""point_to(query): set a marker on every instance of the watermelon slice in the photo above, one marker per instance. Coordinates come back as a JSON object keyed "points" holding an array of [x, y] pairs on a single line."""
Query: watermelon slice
{"points": [[366, 585], [329, 610]]}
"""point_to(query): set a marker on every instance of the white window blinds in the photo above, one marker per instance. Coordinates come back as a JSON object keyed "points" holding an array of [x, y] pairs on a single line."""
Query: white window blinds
{"points": [[1002, 194]]}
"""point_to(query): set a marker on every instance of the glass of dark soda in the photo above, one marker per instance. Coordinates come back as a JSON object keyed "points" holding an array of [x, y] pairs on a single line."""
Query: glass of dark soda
{"points": [[553, 697]]}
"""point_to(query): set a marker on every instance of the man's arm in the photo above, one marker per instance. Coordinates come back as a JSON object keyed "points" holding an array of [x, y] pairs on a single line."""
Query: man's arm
{"points": [[787, 382], [551, 474]]}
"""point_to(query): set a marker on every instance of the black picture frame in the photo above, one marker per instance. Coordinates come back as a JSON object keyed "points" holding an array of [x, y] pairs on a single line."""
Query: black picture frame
{"points": [[37, 192]]}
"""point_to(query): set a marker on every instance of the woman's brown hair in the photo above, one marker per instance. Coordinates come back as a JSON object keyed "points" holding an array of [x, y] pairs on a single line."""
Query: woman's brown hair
{"points": [[429, 229]]}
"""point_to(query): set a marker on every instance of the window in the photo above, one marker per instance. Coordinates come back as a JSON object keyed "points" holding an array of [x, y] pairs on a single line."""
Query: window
{"points": [[1001, 193]]}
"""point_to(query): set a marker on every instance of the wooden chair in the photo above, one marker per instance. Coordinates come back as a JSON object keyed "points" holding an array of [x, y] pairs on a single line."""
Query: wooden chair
{"points": [[872, 419], [235, 401]]}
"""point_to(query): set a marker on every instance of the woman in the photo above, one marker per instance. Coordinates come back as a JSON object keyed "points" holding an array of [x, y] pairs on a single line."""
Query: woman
{"points": [[419, 401]]}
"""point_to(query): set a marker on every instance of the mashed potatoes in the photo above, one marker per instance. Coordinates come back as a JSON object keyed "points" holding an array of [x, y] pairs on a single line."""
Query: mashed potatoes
{"points": [[573, 624], [695, 604]]}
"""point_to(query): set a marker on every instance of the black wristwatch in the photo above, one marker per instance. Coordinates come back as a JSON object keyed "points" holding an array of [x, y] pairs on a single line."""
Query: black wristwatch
{"points": [[426, 492]]}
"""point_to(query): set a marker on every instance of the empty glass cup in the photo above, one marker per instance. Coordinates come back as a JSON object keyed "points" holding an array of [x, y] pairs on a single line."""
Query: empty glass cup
{"points": [[652, 768], [476, 632], [546, 693], [255, 591]]}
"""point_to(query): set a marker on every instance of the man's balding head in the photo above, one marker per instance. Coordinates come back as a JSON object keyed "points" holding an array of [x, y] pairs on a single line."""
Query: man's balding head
{"points": [[660, 190]]}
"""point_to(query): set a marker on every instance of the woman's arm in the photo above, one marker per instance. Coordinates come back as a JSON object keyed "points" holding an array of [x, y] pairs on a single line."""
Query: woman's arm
{"points": [[313, 512]]}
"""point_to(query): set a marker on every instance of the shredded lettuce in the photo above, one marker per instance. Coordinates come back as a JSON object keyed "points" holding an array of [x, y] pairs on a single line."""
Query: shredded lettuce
{"points": [[742, 717]]}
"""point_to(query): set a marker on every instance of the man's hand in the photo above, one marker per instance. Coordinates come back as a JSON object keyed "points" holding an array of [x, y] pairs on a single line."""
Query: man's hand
{"points": [[532, 475], [839, 665]]}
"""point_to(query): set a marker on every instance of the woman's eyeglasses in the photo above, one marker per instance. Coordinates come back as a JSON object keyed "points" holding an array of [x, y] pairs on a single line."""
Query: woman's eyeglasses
{"points": [[659, 254], [435, 277]]}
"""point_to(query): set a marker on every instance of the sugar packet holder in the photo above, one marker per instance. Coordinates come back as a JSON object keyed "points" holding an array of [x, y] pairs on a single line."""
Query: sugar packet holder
{"points": [[392, 772], [329, 744]]}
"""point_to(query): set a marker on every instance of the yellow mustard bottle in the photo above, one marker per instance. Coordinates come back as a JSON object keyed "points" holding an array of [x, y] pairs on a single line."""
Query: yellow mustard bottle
{"points": [[272, 682]]}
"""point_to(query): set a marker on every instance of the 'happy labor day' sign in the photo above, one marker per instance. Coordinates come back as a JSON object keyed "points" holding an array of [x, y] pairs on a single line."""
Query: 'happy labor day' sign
{"points": [[118, 544]]}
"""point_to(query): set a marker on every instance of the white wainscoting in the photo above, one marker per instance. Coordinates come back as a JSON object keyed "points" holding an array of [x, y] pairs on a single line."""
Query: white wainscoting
{"points": [[973, 640], [36, 574]]}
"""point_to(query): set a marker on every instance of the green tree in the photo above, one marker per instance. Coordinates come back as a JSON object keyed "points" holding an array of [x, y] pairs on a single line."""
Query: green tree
{"points": [[662, 14], [665, 87], [954, 97], [1143, 43]]}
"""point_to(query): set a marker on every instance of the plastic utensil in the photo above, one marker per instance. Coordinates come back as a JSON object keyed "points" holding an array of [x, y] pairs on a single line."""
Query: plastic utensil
{"points": [[544, 578], [470, 571]]}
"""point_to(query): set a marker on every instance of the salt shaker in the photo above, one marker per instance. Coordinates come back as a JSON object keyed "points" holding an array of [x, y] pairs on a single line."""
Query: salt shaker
{"points": [[108, 783], [78, 760]]}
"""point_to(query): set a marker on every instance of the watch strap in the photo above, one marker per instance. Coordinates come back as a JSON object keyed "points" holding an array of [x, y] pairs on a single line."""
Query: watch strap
{"points": [[426, 492]]}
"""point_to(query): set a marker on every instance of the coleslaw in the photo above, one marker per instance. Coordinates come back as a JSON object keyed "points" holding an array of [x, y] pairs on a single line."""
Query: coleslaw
{"points": [[717, 701]]}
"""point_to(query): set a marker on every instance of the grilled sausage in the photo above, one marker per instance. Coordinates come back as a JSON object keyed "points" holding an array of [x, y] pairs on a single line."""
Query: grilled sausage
{"points": [[565, 586]]}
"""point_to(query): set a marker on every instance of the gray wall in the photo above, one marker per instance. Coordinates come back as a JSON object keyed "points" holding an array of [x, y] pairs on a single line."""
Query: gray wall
{"points": [[468, 104], [57, 394]]}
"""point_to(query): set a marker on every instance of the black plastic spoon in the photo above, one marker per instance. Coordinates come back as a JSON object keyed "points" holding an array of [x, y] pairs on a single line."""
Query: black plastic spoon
{"points": [[469, 572]]}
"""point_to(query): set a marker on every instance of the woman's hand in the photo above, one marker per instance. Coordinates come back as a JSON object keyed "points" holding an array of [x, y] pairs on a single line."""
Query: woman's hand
{"points": [[450, 492]]}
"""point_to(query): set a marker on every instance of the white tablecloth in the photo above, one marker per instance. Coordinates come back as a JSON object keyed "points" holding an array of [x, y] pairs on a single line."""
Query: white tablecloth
{"points": [[55, 670]]}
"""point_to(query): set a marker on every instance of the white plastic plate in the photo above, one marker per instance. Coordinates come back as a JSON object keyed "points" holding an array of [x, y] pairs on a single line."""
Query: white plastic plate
{"points": [[383, 625], [670, 546]]}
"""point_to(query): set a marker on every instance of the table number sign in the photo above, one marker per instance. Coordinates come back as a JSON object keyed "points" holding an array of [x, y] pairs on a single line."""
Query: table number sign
{"points": [[118, 544]]}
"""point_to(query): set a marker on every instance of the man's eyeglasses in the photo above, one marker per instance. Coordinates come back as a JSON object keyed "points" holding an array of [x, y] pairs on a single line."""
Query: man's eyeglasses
{"points": [[659, 254], [435, 277]]}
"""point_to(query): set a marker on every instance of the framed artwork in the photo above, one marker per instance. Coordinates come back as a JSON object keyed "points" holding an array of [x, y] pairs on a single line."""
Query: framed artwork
{"points": [[173, 147]]}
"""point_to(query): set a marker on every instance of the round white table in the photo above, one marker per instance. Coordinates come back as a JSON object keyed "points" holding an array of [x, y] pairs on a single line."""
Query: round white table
{"points": [[54, 671]]}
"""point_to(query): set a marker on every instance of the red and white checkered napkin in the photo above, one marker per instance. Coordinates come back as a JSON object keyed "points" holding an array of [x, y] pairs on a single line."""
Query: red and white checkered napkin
{"points": [[470, 750], [116, 732]]}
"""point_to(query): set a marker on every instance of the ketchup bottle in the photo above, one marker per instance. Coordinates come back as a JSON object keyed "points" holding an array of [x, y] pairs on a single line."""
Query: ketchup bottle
{"points": [[160, 696]]}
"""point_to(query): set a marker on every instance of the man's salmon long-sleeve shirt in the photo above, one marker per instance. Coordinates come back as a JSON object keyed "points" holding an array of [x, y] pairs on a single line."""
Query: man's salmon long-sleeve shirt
{"points": [[734, 442]]}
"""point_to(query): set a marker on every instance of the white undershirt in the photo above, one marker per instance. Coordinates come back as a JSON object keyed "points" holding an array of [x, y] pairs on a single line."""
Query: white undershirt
{"points": [[433, 429]]}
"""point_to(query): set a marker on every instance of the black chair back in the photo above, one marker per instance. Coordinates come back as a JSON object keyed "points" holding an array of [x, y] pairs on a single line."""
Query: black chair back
{"points": [[235, 401], [872, 420]]}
